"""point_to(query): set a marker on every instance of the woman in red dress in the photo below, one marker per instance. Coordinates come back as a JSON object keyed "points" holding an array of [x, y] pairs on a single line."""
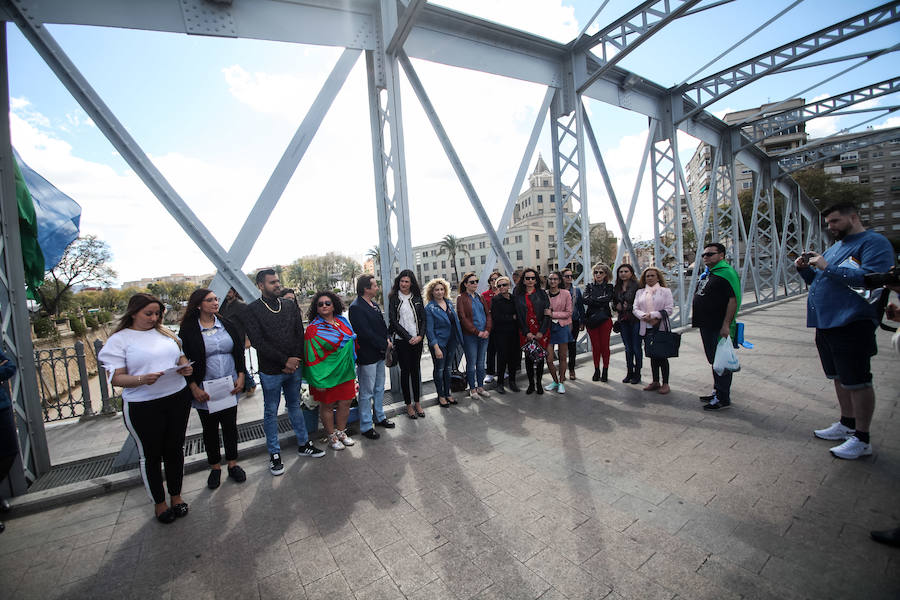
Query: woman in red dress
{"points": [[533, 312]]}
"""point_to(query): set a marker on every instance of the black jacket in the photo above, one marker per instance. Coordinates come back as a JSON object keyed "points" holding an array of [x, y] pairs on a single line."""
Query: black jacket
{"points": [[194, 348], [541, 302], [371, 332], [395, 328], [596, 299], [276, 336], [503, 315]]}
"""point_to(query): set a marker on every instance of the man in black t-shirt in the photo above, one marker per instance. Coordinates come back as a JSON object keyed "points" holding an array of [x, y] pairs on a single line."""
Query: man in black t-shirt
{"points": [[714, 309]]}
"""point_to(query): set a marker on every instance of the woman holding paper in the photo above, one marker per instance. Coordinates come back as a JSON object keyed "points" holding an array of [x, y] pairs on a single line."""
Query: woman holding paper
{"points": [[143, 357], [216, 346]]}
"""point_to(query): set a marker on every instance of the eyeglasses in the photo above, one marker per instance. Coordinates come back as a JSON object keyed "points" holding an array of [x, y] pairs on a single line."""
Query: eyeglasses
{"points": [[323, 303], [529, 278], [708, 254]]}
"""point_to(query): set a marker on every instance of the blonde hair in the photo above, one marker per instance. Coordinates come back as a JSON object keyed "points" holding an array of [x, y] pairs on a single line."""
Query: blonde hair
{"points": [[429, 288], [659, 275], [502, 278], [606, 271]]}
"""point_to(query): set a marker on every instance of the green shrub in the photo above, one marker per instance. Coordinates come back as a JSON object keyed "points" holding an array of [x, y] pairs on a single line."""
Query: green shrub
{"points": [[77, 326], [104, 316], [44, 327], [91, 321]]}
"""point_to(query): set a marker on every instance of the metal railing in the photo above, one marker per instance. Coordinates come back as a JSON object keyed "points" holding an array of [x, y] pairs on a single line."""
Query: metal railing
{"points": [[64, 384]]}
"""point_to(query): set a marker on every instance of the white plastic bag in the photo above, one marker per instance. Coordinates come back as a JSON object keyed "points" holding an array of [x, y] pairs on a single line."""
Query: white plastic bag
{"points": [[726, 358]]}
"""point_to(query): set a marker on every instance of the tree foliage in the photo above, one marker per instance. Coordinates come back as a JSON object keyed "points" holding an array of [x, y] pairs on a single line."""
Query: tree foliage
{"points": [[85, 261], [826, 192], [451, 245], [316, 273]]}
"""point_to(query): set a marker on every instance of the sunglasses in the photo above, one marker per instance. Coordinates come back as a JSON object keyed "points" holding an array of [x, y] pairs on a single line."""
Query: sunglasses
{"points": [[530, 278], [502, 285], [471, 281], [324, 303], [595, 273], [708, 254], [569, 276]]}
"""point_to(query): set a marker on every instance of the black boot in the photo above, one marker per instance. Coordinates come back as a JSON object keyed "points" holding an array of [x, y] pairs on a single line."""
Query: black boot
{"points": [[538, 375], [636, 376], [512, 384], [529, 369], [500, 389], [596, 376], [604, 377], [629, 376]]}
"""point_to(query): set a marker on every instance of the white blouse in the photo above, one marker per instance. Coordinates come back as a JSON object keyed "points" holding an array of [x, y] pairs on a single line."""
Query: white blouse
{"points": [[142, 352]]}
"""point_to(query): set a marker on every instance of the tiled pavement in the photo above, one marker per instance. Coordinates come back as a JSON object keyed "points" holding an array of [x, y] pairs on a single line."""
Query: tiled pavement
{"points": [[606, 492]]}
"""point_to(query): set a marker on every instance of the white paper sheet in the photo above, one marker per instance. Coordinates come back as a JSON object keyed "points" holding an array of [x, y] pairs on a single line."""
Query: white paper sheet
{"points": [[220, 396]]}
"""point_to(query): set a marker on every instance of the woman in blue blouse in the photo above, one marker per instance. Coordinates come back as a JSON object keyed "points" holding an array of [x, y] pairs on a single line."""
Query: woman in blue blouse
{"points": [[216, 346], [444, 336]]}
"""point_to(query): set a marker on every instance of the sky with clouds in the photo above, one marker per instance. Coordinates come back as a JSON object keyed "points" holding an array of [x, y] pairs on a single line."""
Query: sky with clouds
{"points": [[215, 115]]}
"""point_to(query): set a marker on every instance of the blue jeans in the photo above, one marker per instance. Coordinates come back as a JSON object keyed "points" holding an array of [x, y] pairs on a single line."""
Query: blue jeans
{"points": [[443, 367], [272, 386], [371, 393], [631, 339], [476, 353]]}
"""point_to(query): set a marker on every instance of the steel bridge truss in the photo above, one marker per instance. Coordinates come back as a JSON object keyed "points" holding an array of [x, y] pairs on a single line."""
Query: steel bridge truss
{"points": [[781, 222]]}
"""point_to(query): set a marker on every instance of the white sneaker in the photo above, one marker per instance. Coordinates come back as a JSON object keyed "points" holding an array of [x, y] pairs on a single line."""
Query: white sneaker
{"points": [[345, 439], [561, 388], [552, 387], [488, 378], [335, 442], [835, 431], [852, 449]]}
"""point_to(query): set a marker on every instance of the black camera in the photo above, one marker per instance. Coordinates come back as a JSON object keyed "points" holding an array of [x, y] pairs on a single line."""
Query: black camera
{"points": [[872, 281]]}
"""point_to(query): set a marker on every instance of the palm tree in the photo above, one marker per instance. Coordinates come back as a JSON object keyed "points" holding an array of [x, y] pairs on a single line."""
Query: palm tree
{"points": [[375, 254], [350, 272], [451, 245]]}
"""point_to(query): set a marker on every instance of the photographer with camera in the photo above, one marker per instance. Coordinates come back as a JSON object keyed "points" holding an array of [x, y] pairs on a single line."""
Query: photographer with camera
{"points": [[845, 322]]}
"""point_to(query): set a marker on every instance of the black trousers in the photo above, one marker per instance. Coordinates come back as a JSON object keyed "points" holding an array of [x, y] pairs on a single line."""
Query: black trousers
{"points": [[9, 445], [534, 370], [492, 355], [657, 365], [721, 383], [573, 345], [158, 428], [410, 360], [507, 343], [227, 419]]}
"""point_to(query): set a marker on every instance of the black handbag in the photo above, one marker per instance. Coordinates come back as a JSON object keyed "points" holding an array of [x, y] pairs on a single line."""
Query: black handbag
{"points": [[390, 357], [662, 344]]}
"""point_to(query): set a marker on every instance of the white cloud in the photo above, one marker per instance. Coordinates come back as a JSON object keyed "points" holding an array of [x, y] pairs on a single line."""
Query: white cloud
{"points": [[551, 19], [891, 122]]}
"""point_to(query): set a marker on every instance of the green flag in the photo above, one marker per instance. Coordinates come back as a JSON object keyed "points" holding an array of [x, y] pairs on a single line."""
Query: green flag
{"points": [[32, 257]]}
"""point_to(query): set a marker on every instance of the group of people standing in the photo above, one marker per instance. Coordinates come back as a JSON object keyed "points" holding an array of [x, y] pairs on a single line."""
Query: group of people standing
{"points": [[343, 357]]}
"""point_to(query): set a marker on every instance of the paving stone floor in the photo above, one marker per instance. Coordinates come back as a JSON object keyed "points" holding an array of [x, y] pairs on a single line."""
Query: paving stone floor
{"points": [[605, 492]]}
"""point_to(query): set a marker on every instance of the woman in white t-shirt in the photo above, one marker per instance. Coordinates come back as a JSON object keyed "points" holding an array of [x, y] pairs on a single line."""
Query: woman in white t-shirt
{"points": [[141, 356]]}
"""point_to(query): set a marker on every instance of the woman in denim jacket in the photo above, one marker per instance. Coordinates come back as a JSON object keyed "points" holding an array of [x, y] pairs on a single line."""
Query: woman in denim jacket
{"points": [[444, 336]]}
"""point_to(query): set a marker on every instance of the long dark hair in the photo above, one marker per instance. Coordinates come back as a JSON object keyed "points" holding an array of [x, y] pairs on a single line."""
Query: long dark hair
{"points": [[520, 287], [193, 305], [413, 284], [620, 283], [313, 311], [136, 304]]}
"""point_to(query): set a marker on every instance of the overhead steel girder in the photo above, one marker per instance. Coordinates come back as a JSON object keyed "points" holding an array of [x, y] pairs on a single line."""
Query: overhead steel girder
{"points": [[626, 33], [128, 148], [805, 156], [404, 25], [769, 125], [710, 89]]}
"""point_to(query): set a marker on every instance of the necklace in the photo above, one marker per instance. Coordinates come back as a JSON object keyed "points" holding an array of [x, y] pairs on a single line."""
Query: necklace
{"points": [[270, 308]]}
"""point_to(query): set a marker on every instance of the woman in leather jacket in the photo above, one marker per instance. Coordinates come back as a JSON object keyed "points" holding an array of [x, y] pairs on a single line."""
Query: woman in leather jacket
{"points": [[623, 301], [597, 296], [406, 317], [533, 312]]}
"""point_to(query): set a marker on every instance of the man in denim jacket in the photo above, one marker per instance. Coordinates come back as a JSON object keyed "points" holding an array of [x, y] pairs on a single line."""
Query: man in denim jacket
{"points": [[845, 321]]}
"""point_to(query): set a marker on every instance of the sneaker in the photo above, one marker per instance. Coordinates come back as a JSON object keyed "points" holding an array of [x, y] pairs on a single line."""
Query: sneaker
{"points": [[276, 467], [852, 449], [552, 387], [310, 451], [345, 439], [835, 431], [237, 474], [561, 388], [716, 404], [483, 393], [335, 442], [707, 399], [488, 378], [371, 434], [473, 394], [387, 424]]}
